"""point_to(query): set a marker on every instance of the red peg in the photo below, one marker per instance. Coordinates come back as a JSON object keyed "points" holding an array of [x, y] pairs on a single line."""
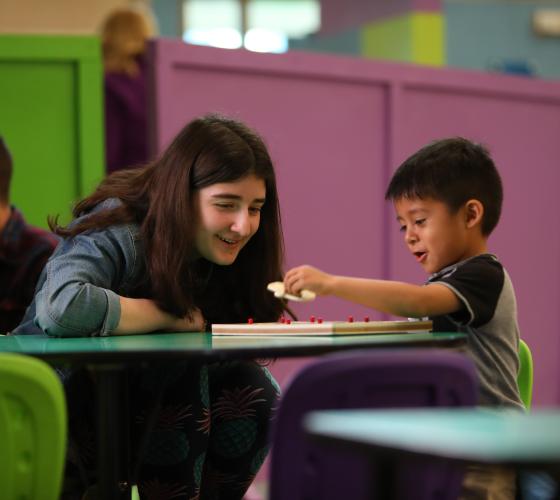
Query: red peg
{"points": [[282, 319], [250, 321], [366, 319], [288, 321], [350, 319], [319, 320], [312, 319]]}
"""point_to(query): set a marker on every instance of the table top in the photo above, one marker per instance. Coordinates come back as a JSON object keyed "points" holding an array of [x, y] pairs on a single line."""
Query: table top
{"points": [[506, 437], [204, 346]]}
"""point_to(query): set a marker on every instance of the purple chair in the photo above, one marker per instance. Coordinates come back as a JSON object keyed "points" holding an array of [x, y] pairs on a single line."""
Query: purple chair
{"points": [[301, 470]]}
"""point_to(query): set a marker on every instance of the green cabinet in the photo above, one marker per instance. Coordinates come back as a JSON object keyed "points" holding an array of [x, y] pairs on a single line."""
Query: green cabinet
{"points": [[51, 117]]}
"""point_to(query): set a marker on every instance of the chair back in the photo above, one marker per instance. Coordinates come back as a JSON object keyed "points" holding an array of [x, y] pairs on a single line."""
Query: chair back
{"points": [[300, 470], [32, 429], [525, 374]]}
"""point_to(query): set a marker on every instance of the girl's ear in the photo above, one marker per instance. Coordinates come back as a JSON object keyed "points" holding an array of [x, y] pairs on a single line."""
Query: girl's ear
{"points": [[474, 210]]}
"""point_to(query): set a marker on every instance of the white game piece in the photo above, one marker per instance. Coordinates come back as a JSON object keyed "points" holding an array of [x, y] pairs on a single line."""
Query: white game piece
{"points": [[277, 287]]}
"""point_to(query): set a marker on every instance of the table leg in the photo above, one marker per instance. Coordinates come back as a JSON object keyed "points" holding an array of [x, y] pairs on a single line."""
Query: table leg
{"points": [[110, 446], [384, 471]]}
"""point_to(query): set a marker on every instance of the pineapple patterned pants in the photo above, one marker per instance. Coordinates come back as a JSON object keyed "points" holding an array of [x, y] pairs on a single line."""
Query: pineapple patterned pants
{"points": [[202, 430]]}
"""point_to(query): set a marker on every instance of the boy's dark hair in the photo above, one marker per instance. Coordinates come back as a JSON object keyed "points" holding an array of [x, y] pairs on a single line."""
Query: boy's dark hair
{"points": [[5, 172], [453, 171]]}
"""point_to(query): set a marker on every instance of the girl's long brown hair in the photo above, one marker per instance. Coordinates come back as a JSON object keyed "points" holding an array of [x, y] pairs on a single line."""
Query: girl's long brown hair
{"points": [[159, 198]]}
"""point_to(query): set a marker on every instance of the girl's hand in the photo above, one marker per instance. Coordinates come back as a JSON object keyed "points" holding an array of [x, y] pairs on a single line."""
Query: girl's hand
{"points": [[144, 316], [308, 278], [196, 323]]}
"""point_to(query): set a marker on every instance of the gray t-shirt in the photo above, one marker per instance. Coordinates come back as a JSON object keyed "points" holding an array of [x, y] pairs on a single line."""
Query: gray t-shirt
{"points": [[489, 318]]}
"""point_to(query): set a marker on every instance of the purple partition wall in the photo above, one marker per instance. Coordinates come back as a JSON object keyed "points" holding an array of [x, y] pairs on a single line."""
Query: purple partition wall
{"points": [[322, 129], [337, 127]]}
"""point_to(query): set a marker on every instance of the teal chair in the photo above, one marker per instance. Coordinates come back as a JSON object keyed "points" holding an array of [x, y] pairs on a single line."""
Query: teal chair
{"points": [[32, 429], [525, 375]]}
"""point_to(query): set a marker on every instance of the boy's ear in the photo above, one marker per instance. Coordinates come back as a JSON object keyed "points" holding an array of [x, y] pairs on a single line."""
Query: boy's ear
{"points": [[474, 210]]}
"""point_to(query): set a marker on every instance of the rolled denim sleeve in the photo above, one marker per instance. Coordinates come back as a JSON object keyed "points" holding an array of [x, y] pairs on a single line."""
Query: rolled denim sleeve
{"points": [[80, 296]]}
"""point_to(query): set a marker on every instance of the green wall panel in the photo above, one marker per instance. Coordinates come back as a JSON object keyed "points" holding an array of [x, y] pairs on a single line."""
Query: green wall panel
{"points": [[428, 38], [388, 39], [416, 37], [51, 116]]}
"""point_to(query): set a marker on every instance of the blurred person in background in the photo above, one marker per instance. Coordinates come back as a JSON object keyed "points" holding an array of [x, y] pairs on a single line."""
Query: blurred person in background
{"points": [[124, 35], [24, 250]]}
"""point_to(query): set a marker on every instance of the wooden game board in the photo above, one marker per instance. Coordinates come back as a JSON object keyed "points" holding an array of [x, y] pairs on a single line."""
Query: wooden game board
{"points": [[323, 328]]}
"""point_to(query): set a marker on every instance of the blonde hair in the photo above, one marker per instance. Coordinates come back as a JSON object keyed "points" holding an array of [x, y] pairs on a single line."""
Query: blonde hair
{"points": [[124, 34]]}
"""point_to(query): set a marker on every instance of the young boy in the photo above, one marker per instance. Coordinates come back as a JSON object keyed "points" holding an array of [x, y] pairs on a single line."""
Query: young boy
{"points": [[447, 199]]}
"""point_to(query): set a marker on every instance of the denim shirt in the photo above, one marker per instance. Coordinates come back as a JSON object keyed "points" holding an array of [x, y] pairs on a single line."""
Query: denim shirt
{"points": [[77, 294]]}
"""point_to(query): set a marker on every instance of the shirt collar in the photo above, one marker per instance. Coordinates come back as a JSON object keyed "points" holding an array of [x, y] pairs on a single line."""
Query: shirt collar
{"points": [[452, 267]]}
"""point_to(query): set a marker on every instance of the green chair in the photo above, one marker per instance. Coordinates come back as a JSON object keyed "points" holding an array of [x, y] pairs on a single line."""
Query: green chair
{"points": [[525, 375], [32, 429]]}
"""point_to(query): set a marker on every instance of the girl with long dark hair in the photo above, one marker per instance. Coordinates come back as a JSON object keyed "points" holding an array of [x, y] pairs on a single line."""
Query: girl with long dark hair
{"points": [[190, 239]]}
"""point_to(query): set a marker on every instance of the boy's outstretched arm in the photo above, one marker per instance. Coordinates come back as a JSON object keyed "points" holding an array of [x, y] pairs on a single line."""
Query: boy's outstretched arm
{"points": [[392, 297]]}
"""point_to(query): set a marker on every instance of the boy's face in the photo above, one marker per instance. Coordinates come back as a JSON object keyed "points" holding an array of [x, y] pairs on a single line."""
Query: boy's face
{"points": [[436, 237]]}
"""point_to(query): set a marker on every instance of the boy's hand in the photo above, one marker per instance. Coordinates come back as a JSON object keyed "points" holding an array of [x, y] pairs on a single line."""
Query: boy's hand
{"points": [[308, 278]]}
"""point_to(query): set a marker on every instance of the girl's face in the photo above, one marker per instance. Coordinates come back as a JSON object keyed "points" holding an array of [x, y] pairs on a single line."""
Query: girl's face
{"points": [[228, 216]]}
